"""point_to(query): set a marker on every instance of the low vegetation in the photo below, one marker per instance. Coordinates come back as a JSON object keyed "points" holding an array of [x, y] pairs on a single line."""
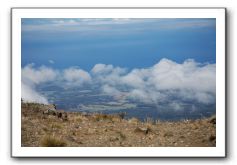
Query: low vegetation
{"points": [[52, 141], [44, 126]]}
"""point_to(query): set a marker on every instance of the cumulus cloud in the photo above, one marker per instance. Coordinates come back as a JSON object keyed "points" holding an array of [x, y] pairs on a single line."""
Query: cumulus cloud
{"points": [[107, 74], [29, 94], [166, 82], [30, 77], [39, 75], [76, 76], [102, 69], [187, 76], [110, 90]]}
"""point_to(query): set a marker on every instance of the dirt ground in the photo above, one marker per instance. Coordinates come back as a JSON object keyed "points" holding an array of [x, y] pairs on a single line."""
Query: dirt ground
{"points": [[40, 129]]}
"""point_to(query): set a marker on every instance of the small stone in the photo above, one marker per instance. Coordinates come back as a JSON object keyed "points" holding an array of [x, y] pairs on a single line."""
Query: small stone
{"points": [[142, 130], [105, 130]]}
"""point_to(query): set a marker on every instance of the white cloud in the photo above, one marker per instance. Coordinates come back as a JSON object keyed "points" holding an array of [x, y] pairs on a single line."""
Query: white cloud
{"points": [[102, 69], [110, 25], [107, 74], [136, 78], [176, 106], [30, 77], [165, 82], [167, 79], [36, 76], [76, 76], [190, 75], [28, 94], [138, 94], [51, 61], [111, 90]]}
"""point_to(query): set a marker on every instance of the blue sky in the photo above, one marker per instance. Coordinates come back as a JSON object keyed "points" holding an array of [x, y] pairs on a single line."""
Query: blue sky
{"points": [[127, 43], [163, 62]]}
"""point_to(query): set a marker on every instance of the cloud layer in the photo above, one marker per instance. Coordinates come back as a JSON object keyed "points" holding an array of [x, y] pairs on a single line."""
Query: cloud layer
{"points": [[165, 82], [31, 77], [119, 26]]}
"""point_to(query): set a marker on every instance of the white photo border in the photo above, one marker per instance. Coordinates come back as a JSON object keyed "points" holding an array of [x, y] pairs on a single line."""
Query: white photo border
{"points": [[218, 13]]}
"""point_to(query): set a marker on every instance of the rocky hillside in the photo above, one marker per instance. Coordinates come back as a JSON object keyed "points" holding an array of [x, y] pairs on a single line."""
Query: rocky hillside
{"points": [[44, 126]]}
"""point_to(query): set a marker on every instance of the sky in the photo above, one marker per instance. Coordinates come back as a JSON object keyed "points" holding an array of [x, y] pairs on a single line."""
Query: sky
{"points": [[168, 62], [62, 43]]}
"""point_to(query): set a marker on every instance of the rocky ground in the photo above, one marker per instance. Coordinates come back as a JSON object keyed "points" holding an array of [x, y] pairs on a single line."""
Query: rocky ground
{"points": [[42, 127]]}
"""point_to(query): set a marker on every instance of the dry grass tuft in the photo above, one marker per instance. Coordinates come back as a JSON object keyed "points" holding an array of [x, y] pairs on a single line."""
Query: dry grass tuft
{"points": [[107, 117], [56, 126], [133, 120], [168, 134], [102, 117], [51, 141], [122, 136], [150, 121]]}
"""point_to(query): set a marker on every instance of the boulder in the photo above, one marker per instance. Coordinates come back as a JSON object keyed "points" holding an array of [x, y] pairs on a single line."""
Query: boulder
{"points": [[213, 120], [50, 112]]}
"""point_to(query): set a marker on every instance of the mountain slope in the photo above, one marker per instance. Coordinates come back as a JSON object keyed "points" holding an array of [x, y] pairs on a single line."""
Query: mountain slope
{"points": [[43, 125]]}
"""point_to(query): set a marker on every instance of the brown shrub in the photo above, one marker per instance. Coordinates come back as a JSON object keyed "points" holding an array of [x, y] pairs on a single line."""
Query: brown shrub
{"points": [[212, 138]]}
